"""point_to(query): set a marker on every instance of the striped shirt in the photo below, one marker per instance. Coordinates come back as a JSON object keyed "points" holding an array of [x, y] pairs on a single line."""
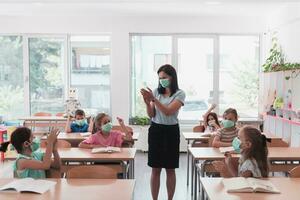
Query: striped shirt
{"points": [[227, 135]]}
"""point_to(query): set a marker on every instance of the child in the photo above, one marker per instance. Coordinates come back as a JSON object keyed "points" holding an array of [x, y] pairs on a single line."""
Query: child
{"points": [[104, 136], [210, 120], [254, 155], [29, 162], [225, 135], [80, 124]]}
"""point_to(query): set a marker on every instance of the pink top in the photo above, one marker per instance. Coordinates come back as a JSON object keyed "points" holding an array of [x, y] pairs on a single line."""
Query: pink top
{"points": [[115, 139]]}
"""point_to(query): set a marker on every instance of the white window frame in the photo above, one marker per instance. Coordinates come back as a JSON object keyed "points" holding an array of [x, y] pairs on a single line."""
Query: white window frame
{"points": [[216, 59]]}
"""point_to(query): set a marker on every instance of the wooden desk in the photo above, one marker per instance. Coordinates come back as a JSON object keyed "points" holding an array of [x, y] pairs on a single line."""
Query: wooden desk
{"points": [[125, 157], [91, 189], [76, 138], [190, 136], [203, 137], [44, 121], [289, 188], [285, 154]]}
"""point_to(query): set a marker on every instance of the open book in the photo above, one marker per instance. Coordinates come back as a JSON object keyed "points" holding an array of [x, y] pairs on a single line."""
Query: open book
{"points": [[86, 134], [29, 185], [226, 149], [241, 184], [106, 150]]}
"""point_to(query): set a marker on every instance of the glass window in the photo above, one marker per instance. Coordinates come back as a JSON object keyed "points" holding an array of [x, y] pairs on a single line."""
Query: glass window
{"points": [[148, 54], [11, 77], [46, 65], [239, 74], [90, 72], [195, 76]]}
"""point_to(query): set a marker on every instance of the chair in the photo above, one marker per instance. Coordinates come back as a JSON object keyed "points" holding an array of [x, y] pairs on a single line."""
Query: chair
{"points": [[93, 172], [295, 172], [125, 143], [60, 144], [59, 114], [277, 143], [42, 114], [199, 129]]}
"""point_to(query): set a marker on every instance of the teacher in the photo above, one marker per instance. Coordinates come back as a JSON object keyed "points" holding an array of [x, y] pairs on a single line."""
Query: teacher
{"points": [[163, 105]]}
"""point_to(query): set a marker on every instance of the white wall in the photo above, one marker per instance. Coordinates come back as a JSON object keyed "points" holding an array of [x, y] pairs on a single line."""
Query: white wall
{"points": [[287, 25], [119, 28]]}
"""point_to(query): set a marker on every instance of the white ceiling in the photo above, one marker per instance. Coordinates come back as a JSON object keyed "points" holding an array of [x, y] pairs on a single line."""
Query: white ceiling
{"points": [[142, 7]]}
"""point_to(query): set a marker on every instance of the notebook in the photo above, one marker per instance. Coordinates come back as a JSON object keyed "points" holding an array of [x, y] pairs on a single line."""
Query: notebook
{"points": [[86, 134], [106, 150], [28, 185], [226, 149], [241, 184]]}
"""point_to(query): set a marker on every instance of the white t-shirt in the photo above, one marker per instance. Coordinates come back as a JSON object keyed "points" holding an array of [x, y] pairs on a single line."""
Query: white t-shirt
{"points": [[160, 117], [249, 165]]}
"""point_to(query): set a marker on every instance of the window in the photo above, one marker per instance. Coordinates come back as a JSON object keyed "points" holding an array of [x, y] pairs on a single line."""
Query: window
{"points": [[239, 80], [193, 76], [232, 80], [11, 77], [148, 54], [46, 65], [90, 72]]}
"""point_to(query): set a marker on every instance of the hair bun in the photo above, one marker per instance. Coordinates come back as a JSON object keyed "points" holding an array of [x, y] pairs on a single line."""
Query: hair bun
{"points": [[265, 139]]}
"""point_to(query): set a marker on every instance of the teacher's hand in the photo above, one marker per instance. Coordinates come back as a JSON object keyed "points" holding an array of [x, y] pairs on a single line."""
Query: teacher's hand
{"points": [[147, 95]]}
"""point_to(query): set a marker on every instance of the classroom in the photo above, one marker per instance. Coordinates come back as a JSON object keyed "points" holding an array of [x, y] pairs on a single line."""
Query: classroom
{"points": [[150, 100]]}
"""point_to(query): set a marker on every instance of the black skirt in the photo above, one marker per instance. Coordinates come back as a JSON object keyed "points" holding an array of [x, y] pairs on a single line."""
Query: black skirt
{"points": [[163, 143]]}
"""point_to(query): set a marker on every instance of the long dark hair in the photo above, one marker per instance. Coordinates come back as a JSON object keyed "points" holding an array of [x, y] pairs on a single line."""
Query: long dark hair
{"points": [[17, 139], [170, 70], [215, 116], [258, 150]]}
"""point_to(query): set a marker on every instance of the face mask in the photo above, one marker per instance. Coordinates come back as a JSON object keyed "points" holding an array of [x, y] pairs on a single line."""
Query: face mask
{"points": [[81, 122], [228, 123], [35, 144], [107, 127], [164, 82], [236, 144]]}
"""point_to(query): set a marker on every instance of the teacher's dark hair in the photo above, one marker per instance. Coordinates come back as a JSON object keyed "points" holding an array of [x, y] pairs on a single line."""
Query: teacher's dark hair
{"points": [[170, 70]]}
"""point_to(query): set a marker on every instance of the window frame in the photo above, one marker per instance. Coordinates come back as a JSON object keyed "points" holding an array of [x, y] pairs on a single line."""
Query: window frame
{"points": [[216, 61]]}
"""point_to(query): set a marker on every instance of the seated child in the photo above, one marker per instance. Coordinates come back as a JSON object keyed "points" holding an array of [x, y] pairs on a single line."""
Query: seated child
{"points": [[29, 161], [104, 135], [210, 120], [254, 155], [80, 124], [225, 135]]}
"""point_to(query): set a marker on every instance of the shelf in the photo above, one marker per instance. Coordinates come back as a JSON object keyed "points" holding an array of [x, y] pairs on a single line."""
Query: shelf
{"points": [[284, 119]]}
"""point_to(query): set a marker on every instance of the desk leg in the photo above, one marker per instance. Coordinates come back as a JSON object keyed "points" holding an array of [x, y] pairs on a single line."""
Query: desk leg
{"points": [[195, 179], [200, 185], [132, 169], [124, 170], [192, 178], [188, 162]]}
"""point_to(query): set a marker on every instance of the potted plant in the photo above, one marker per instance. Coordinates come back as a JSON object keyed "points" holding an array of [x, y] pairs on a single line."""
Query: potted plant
{"points": [[139, 120]]}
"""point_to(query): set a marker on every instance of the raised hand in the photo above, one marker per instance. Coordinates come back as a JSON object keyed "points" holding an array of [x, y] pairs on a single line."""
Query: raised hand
{"points": [[120, 120], [52, 137]]}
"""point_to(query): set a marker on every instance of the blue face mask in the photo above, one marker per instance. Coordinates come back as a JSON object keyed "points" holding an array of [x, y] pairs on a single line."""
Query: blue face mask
{"points": [[81, 122], [228, 123], [35, 144], [236, 144], [107, 127], [164, 82]]}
